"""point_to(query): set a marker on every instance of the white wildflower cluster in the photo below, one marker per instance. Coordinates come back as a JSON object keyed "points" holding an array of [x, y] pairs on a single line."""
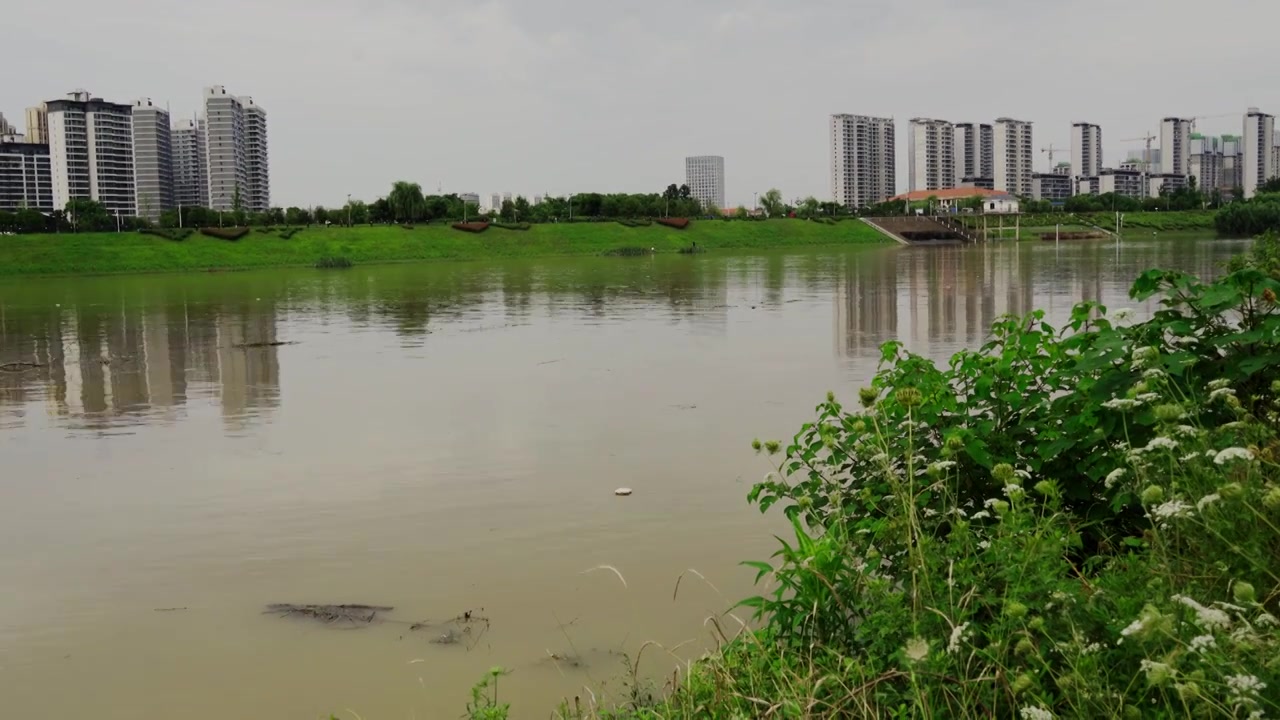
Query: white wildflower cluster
{"points": [[959, 634], [1266, 619], [1186, 431], [1245, 688], [1148, 397], [1121, 404], [1153, 374], [1200, 643], [942, 466], [1035, 713], [1114, 477], [1014, 491], [1169, 510], [1219, 384], [981, 515], [1091, 648], [1159, 443], [1134, 627], [1221, 393], [1208, 618], [1232, 454], [1207, 500]]}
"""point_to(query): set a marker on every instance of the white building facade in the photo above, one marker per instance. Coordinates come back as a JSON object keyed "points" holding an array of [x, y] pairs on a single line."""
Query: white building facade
{"points": [[236, 156], [1086, 151], [190, 179], [91, 152], [931, 154], [152, 159], [1013, 156], [862, 160], [704, 174], [26, 177], [1256, 162], [974, 150], [1175, 146]]}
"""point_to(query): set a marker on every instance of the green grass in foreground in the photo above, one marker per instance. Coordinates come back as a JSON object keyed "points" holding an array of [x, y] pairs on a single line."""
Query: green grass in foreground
{"points": [[93, 253]]}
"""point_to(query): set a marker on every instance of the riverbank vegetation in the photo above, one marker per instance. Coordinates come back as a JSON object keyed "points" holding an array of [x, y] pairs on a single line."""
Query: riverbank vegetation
{"points": [[1067, 522], [85, 253]]}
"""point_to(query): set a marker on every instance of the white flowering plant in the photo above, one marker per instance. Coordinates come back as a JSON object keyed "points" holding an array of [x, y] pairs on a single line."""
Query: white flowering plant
{"points": [[1074, 523]]}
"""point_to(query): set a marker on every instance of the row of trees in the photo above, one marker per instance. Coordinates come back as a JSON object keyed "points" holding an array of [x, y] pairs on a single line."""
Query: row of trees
{"points": [[1253, 217]]}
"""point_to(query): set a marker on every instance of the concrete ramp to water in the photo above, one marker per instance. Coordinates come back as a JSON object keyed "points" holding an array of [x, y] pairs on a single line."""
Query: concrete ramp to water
{"points": [[921, 230]]}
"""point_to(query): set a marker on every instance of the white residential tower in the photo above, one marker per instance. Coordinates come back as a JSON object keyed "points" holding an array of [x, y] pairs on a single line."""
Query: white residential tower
{"points": [[862, 160]]}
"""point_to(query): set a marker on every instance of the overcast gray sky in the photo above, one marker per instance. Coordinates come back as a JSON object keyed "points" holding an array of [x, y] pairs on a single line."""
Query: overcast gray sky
{"points": [[575, 95]]}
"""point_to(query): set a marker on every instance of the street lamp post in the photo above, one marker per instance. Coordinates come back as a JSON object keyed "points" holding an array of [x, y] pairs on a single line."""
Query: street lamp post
{"points": [[117, 221], [348, 209]]}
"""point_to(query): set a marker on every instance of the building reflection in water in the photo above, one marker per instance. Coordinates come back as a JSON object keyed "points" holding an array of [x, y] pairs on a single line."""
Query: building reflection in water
{"points": [[940, 299], [102, 367]]}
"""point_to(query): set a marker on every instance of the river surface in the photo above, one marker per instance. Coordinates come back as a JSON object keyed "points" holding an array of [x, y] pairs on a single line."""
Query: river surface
{"points": [[442, 439]]}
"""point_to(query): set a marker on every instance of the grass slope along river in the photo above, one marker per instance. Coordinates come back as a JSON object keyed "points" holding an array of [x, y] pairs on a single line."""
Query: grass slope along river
{"points": [[70, 254]]}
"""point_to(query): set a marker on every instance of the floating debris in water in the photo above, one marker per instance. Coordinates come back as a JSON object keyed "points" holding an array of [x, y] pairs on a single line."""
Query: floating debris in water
{"points": [[273, 343], [19, 366], [330, 614], [622, 492]]}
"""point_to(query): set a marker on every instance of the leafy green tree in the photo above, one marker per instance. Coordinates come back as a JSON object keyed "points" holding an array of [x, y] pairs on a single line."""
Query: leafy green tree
{"points": [[380, 211], [406, 202], [741, 213], [685, 192], [772, 203], [27, 220], [508, 211], [297, 216], [89, 215], [1270, 186]]}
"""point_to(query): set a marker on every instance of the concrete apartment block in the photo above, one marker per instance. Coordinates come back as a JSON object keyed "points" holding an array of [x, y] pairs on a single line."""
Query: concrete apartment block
{"points": [[704, 175], [974, 150], [91, 152], [190, 178], [862, 160], [1255, 166], [26, 176], [1014, 156], [1175, 146], [931, 154], [152, 159], [1086, 150]]}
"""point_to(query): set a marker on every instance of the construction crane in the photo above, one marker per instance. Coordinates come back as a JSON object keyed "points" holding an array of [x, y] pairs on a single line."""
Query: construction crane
{"points": [[1194, 118], [1051, 150], [1146, 157]]}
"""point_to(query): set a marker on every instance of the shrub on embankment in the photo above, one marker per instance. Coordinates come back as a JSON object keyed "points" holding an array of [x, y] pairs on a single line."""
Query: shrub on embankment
{"points": [[1259, 215], [71, 253], [225, 233], [1067, 522]]}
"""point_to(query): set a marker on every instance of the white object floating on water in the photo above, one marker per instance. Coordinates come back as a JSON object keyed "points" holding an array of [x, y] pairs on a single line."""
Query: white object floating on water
{"points": [[415, 661], [622, 491]]}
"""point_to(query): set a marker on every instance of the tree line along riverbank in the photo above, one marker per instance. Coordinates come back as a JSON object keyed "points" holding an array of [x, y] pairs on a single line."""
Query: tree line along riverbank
{"points": [[135, 252]]}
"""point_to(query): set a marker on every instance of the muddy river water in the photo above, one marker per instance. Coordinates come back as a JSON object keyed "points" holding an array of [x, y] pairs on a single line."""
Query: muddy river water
{"points": [[441, 439]]}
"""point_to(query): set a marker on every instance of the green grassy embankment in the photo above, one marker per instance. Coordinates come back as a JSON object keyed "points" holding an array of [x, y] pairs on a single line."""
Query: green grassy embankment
{"points": [[100, 253]]}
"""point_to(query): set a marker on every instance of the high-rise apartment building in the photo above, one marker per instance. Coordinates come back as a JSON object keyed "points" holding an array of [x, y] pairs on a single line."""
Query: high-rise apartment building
{"points": [[1275, 155], [1175, 146], [6, 127], [38, 124], [1206, 162], [1013, 156], [1086, 151], [1127, 182], [974, 150], [190, 179], [1232, 163], [91, 152], [257, 194], [26, 178], [225, 153], [932, 160], [152, 159], [495, 202], [862, 160], [1256, 167], [704, 174]]}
